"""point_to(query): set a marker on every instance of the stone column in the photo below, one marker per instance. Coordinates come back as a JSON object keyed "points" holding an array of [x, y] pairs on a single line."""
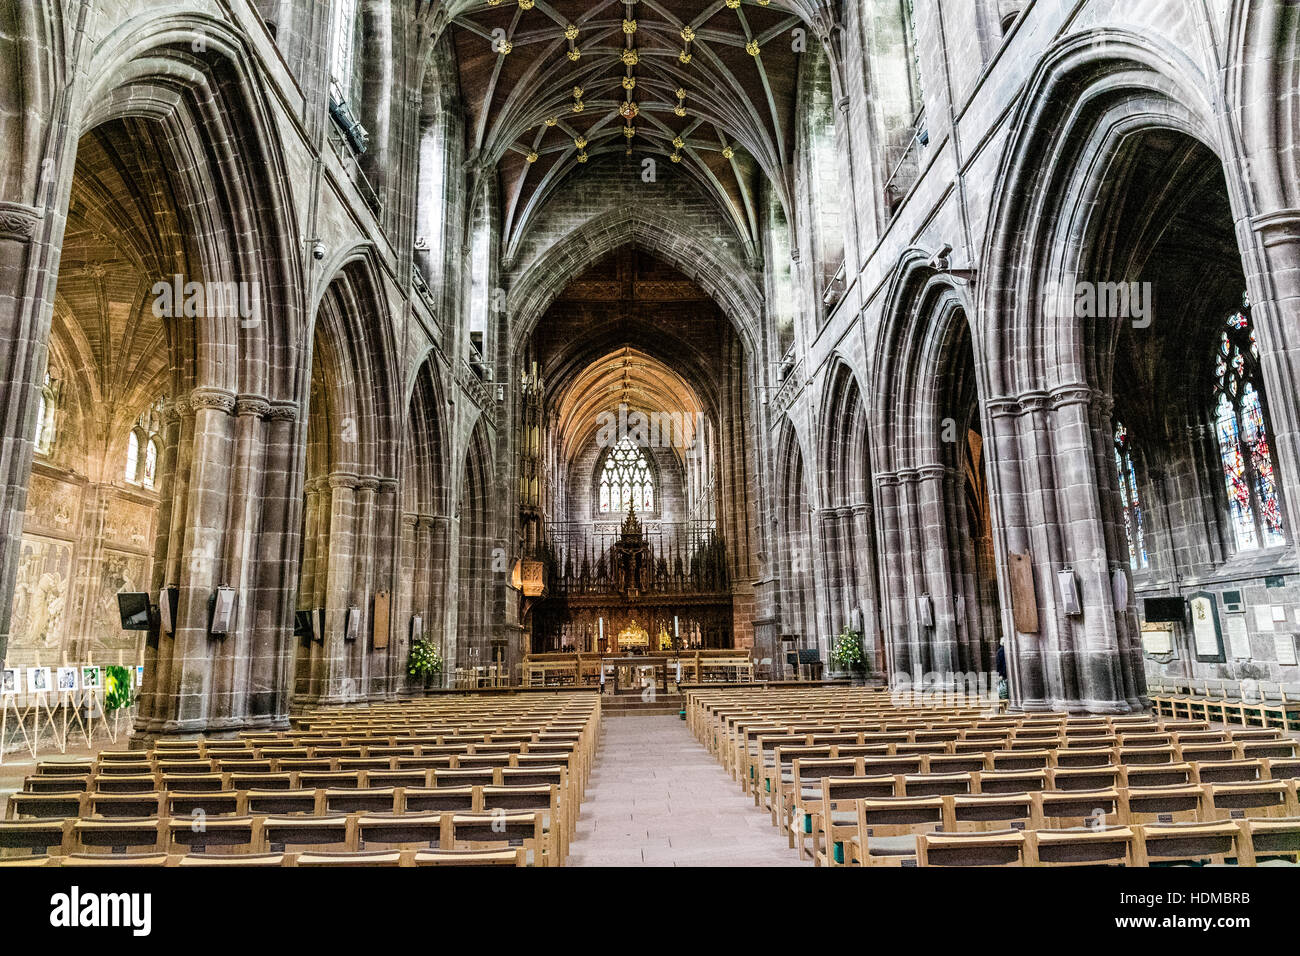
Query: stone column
{"points": [[332, 669], [1025, 665], [1096, 648], [278, 545], [936, 577], [898, 654], [184, 694]]}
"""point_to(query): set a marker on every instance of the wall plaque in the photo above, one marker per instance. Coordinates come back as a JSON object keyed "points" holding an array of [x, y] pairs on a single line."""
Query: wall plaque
{"points": [[1207, 638], [1024, 601], [379, 628]]}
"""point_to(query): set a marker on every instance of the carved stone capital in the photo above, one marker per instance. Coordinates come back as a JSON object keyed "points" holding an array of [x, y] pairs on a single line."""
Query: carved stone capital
{"points": [[281, 411], [343, 479], [213, 398], [18, 221], [1068, 395], [254, 405]]}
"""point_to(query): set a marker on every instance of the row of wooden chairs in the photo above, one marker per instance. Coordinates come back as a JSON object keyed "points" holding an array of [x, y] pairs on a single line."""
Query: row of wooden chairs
{"points": [[242, 836], [448, 774], [835, 781], [876, 808], [774, 777], [993, 752], [516, 856], [813, 782], [1256, 703], [1245, 842]]}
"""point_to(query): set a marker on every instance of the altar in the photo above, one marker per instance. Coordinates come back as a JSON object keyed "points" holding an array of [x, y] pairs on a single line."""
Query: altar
{"points": [[635, 673]]}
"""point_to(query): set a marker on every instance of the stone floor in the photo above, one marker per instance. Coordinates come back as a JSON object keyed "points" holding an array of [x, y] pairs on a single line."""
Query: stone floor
{"points": [[657, 798]]}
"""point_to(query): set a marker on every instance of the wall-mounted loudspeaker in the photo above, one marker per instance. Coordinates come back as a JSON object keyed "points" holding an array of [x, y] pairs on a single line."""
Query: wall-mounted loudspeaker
{"points": [[1071, 603]]}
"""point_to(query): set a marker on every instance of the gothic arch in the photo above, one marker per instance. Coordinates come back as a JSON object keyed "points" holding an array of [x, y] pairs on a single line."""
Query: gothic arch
{"points": [[728, 282], [940, 609], [847, 521], [475, 511], [1091, 99], [792, 550]]}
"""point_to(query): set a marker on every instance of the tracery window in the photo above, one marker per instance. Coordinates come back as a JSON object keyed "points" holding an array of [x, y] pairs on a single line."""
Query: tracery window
{"points": [[1130, 499], [625, 480], [343, 52], [142, 447], [1245, 450], [47, 407]]}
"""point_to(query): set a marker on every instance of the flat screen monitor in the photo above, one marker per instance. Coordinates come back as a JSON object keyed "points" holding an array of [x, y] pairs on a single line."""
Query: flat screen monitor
{"points": [[133, 608]]}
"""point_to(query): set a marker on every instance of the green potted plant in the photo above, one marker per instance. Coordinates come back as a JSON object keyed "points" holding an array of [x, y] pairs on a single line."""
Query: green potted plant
{"points": [[848, 656], [425, 663]]}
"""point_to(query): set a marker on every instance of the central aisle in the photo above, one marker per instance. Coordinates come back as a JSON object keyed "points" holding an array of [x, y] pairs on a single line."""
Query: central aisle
{"points": [[658, 799]]}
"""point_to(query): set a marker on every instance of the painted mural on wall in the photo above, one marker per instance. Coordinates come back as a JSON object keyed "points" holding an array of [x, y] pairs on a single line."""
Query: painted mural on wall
{"points": [[40, 599], [122, 572]]}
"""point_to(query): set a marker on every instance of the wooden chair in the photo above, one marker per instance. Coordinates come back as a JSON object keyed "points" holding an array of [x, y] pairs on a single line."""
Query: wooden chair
{"points": [[230, 859], [279, 834], [119, 805], [44, 806], [356, 800], [806, 796], [836, 822], [441, 799], [57, 783], [1084, 778], [34, 838], [1157, 775], [489, 830], [225, 835], [114, 859], [933, 784], [989, 812], [888, 827], [1273, 842], [281, 802], [348, 858], [543, 799], [1166, 805], [1263, 798], [507, 857], [118, 836], [1194, 842], [1229, 771], [1084, 846], [1004, 848], [1076, 808], [1012, 781]]}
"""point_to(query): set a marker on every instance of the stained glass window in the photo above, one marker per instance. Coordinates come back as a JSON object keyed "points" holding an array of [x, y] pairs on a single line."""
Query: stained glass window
{"points": [[1130, 500], [626, 480], [1245, 451]]}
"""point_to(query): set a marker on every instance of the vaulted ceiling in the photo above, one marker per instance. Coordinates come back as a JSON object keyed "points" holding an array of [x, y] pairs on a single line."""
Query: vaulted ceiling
{"points": [[551, 87]]}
